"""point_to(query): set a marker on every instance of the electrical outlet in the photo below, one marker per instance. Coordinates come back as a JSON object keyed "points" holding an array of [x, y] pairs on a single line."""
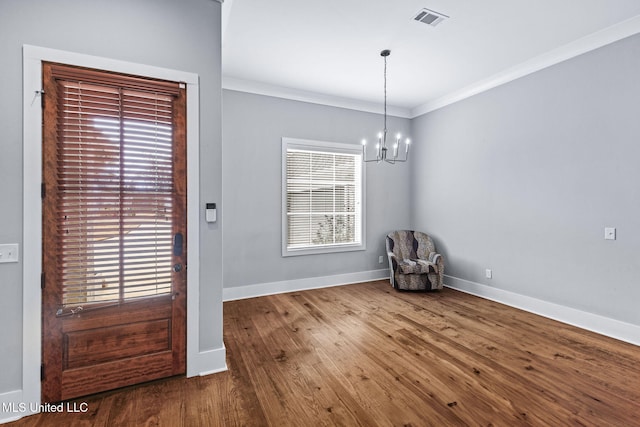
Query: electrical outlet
{"points": [[610, 233], [488, 273], [9, 252], [380, 259]]}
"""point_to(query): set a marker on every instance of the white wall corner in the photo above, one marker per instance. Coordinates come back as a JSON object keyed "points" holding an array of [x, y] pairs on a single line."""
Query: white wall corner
{"points": [[592, 322], [272, 288]]}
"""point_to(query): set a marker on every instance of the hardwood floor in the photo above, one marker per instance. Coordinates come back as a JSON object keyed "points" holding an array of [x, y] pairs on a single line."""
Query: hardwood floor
{"points": [[368, 355]]}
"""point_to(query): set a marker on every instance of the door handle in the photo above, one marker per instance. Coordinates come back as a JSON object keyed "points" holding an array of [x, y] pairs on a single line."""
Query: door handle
{"points": [[177, 244], [177, 268]]}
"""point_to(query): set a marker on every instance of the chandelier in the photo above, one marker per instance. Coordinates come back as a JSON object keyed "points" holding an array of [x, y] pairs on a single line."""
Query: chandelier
{"points": [[384, 153]]}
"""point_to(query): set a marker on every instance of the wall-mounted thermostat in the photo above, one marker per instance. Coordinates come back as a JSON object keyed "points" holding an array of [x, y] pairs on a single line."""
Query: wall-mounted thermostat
{"points": [[211, 212]]}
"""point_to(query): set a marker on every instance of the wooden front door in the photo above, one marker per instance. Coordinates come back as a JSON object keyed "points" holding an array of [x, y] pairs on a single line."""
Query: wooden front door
{"points": [[114, 231]]}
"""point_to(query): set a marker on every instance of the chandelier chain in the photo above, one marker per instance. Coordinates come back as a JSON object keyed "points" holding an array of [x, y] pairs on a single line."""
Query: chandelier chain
{"points": [[385, 98]]}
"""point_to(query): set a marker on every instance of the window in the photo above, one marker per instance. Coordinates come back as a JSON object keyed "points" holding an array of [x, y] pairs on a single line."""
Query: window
{"points": [[112, 183], [322, 197]]}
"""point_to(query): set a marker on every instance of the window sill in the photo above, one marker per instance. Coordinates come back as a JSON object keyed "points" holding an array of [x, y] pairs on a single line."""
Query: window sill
{"points": [[289, 252]]}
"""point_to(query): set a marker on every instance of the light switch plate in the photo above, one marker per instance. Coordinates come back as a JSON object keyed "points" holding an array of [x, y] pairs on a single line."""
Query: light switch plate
{"points": [[9, 252], [610, 233]]}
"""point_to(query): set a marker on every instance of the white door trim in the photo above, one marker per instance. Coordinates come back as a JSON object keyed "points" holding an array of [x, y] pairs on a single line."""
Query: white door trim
{"points": [[32, 206]]}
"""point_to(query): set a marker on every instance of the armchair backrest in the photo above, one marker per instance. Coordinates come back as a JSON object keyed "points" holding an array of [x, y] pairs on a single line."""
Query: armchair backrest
{"points": [[410, 244]]}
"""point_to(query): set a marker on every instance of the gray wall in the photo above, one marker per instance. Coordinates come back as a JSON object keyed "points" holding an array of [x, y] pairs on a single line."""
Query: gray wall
{"points": [[253, 126], [181, 35], [523, 179]]}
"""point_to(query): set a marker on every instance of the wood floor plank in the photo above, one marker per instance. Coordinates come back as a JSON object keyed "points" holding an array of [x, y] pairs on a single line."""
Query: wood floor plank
{"points": [[367, 355]]}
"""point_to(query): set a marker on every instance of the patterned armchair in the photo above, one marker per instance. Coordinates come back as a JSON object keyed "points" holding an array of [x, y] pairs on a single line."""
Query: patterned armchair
{"points": [[413, 261]]}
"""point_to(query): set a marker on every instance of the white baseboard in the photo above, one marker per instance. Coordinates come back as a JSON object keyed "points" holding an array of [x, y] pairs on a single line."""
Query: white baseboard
{"points": [[208, 362], [12, 407], [262, 289], [592, 322]]}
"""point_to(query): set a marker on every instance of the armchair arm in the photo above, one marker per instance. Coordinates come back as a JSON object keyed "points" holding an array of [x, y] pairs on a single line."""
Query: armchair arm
{"points": [[435, 258], [393, 267], [438, 260], [393, 261]]}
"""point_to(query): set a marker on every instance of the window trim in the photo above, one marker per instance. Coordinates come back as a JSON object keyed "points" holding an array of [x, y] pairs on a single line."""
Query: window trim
{"points": [[329, 147]]}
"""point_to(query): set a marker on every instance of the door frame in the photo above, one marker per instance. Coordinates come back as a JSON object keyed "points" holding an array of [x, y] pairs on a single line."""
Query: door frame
{"points": [[33, 57]]}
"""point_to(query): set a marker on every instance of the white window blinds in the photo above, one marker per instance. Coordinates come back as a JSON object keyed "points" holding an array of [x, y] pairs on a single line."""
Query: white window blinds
{"points": [[323, 197]]}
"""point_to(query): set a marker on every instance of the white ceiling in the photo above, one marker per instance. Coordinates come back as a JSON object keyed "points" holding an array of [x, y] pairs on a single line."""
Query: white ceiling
{"points": [[329, 51]]}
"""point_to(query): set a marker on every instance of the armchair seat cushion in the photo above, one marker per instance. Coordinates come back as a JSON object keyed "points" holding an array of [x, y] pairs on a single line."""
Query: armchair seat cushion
{"points": [[417, 266]]}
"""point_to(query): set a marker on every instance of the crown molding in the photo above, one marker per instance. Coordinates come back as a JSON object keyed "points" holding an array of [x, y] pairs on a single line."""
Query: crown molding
{"points": [[240, 85], [586, 44], [591, 42]]}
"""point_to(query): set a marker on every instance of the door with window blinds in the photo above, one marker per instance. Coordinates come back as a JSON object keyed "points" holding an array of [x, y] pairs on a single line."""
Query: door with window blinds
{"points": [[114, 227]]}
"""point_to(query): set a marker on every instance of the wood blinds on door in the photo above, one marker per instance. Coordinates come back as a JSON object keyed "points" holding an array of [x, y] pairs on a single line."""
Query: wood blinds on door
{"points": [[114, 186]]}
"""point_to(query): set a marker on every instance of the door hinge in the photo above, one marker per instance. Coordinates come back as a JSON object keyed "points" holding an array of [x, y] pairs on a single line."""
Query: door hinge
{"points": [[43, 190], [42, 280], [42, 372]]}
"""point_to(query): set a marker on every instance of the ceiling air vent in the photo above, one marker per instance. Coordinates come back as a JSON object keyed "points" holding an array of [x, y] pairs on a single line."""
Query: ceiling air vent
{"points": [[429, 17]]}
